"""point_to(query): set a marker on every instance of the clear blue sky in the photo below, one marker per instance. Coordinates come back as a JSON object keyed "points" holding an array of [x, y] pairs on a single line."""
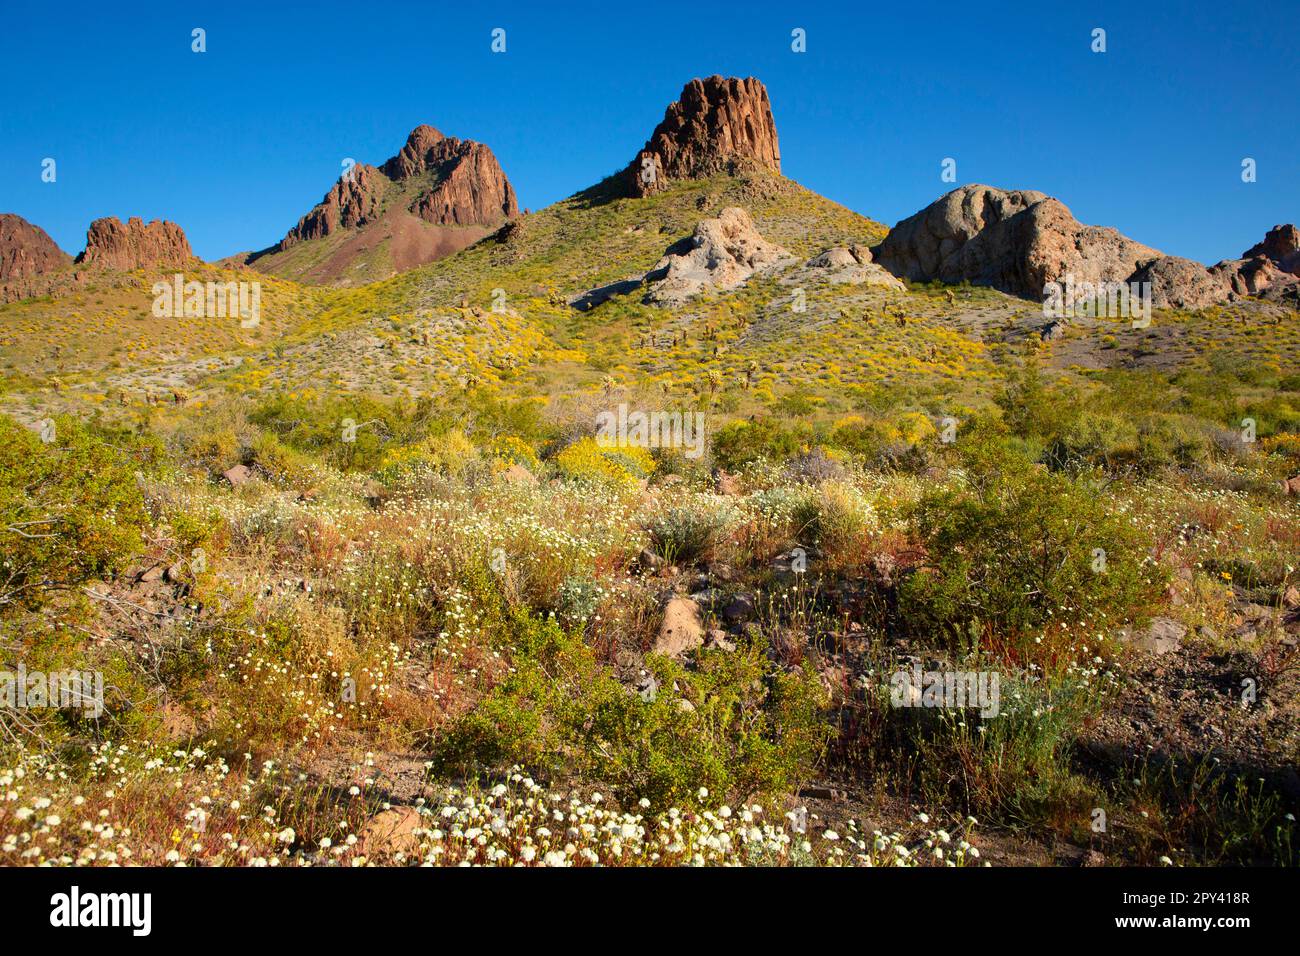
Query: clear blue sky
{"points": [[236, 143]]}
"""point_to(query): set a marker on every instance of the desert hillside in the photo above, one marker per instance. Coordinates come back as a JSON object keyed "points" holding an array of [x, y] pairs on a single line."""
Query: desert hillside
{"points": [[692, 519]]}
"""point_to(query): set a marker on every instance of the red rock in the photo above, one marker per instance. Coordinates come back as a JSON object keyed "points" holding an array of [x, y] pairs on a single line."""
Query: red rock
{"points": [[26, 250], [718, 125], [238, 475], [28, 256], [1282, 245], [466, 188], [158, 245], [352, 202]]}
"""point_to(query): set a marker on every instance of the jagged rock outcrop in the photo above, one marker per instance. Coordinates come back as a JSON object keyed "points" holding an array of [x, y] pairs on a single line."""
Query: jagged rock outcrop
{"points": [[718, 125], [110, 244], [721, 254], [471, 189], [1281, 245], [468, 188], [1269, 269], [434, 181], [26, 250], [352, 202]]}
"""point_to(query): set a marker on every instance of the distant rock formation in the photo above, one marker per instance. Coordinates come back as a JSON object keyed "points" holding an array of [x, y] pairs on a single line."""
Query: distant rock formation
{"points": [[1019, 241], [717, 125], [1281, 245], [352, 202], [135, 245], [433, 181], [26, 250], [1269, 269]]}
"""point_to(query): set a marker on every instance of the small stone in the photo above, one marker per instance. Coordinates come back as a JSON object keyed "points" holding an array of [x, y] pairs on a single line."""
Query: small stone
{"points": [[238, 475], [719, 639], [741, 608]]}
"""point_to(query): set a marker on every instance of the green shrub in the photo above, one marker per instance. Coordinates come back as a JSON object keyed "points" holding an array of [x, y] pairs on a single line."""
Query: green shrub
{"points": [[1012, 552], [742, 442], [70, 511], [735, 726], [687, 535]]}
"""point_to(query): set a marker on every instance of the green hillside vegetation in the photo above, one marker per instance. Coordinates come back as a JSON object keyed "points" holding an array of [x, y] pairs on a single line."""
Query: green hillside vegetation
{"points": [[432, 592]]}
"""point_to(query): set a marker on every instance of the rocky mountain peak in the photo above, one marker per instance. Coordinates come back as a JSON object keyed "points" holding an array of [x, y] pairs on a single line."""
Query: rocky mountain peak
{"points": [[1282, 245], [26, 250], [467, 187], [717, 125], [110, 244]]}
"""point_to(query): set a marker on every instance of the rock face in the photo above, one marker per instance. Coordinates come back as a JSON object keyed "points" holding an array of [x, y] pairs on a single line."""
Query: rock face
{"points": [[27, 257], [1019, 241], [1281, 245], [1269, 269], [467, 188], [717, 125], [352, 202], [135, 245], [26, 250], [472, 189], [438, 195], [721, 254], [1016, 241]]}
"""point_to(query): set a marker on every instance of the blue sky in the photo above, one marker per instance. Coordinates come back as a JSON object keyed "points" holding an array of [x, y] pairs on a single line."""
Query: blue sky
{"points": [[236, 143]]}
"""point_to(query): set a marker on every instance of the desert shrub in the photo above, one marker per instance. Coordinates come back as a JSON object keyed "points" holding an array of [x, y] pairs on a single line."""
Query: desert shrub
{"points": [[735, 726], [506, 450], [834, 516], [1015, 551], [449, 453], [1101, 440], [586, 459], [70, 511], [687, 534], [1012, 766], [1034, 410], [742, 442]]}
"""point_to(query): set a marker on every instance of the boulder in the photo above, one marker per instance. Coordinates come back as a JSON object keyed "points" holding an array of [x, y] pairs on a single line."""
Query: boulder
{"points": [[517, 474], [1161, 636], [682, 629], [721, 254], [390, 832], [853, 265], [239, 475]]}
